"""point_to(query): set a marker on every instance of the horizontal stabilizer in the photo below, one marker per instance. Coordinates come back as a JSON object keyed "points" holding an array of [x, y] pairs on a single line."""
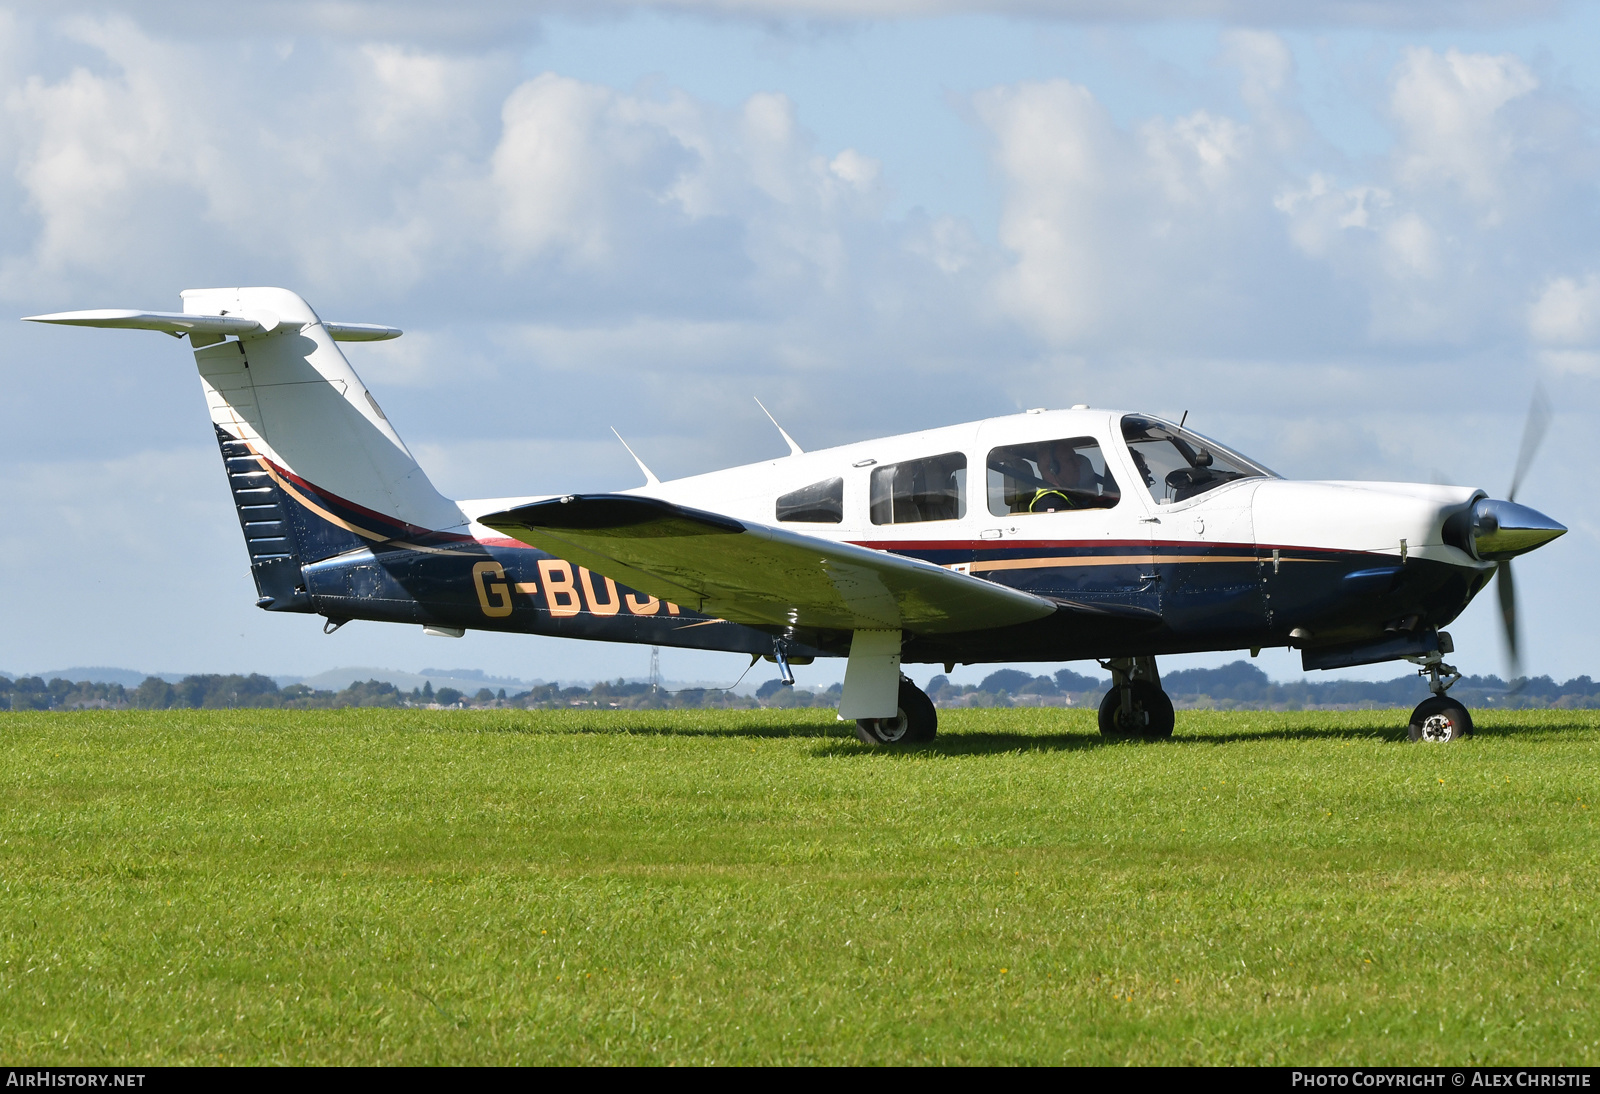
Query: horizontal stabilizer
{"points": [[173, 322], [755, 574]]}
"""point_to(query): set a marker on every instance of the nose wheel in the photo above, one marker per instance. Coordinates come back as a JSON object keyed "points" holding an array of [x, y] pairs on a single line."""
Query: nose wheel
{"points": [[1440, 719]]}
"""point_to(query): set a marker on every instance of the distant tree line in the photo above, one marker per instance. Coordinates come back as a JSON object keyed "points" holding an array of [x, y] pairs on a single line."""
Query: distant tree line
{"points": [[218, 692], [206, 692], [1240, 685]]}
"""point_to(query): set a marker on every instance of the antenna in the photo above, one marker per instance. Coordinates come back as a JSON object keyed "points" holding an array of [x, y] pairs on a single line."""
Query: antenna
{"points": [[1181, 420], [655, 668], [649, 475], [794, 449]]}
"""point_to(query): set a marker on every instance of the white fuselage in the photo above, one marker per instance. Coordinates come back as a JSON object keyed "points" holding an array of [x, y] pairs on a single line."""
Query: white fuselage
{"points": [[1368, 517]]}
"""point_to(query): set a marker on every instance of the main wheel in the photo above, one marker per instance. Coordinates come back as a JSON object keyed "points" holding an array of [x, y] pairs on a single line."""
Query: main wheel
{"points": [[1440, 719], [915, 722], [1152, 714]]}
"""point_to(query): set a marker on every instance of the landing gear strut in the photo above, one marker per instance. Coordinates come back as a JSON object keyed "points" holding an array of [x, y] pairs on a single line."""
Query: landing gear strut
{"points": [[915, 722], [1135, 706], [1440, 718]]}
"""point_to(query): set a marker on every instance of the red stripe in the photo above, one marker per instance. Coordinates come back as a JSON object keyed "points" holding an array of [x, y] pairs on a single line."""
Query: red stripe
{"points": [[332, 499]]}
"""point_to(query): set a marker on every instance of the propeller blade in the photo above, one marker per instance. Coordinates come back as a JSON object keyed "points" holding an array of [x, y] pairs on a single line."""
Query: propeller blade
{"points": [[1533, 430], [1507, 590]]}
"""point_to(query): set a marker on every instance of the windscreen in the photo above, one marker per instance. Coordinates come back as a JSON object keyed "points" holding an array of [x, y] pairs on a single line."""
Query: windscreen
{"points": [[1177, 464]]}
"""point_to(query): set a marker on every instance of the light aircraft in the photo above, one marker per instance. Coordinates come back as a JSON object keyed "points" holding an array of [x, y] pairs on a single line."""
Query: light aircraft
{"points": [[1052, 535]]}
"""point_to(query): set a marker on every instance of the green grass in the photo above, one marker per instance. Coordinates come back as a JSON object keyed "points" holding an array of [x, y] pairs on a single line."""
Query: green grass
{"points": [[687, 887]]}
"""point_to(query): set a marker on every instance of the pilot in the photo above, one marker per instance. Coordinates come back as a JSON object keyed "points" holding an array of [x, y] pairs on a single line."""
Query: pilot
{"points": [[1066, 473]]}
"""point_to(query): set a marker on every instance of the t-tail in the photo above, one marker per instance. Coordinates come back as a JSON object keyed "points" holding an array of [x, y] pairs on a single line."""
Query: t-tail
{"points": [[315, 468]]}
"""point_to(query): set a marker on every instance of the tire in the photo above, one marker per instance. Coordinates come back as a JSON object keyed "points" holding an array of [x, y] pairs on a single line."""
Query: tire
{"points": [[916, 720], [1159, 717], [1440, 719]]}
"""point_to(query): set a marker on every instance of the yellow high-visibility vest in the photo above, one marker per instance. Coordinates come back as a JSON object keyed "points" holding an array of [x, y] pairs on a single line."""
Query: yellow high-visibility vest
{"points": [[1040, 494]]}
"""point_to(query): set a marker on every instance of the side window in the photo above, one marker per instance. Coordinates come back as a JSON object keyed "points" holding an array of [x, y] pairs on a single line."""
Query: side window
{"points": [[1050, 477], [820, 503], [919, 490]]}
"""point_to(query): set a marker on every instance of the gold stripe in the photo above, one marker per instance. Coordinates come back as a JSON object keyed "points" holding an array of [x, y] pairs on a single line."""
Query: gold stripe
{"points": [[314, 507], [1109, 560], [288, 487]]}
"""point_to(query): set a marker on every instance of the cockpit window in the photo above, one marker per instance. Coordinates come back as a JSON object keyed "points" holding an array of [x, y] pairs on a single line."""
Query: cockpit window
{"points": [[1177, 465], [1050, 477], [917, 490], [820, 503]]}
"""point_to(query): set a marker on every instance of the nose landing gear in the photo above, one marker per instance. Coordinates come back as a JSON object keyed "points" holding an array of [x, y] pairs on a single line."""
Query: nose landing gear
{"points": [[1135, 706], [1440, 718]]}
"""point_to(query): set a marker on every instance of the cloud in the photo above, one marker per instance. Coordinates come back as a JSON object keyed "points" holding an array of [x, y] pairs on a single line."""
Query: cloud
{"points": [[1450, 111], [141, 160], [475, 23], [1567, 312], [534, 234], [1256, 12], [1207, 231], [1112, 226], [565, 150], [1565, 321]]}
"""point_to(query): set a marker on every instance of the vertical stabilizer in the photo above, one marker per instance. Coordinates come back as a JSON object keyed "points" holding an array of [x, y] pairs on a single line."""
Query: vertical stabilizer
{"points": [[314, 466], [288, 392]]}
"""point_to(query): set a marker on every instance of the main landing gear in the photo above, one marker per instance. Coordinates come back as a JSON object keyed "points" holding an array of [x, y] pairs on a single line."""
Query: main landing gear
{"points": [[915, 722], [1440, 718], [1135, 706]]}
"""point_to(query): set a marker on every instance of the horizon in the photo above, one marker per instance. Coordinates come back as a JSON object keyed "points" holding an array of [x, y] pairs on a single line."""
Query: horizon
{"points": [[358, 674]]}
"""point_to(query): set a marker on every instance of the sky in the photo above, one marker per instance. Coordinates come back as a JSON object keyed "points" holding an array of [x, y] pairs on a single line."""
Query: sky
{"points": [[1349, 238]]}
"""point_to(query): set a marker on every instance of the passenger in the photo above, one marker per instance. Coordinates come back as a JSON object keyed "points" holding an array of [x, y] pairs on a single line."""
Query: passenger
{"points": [[1065, 472]]}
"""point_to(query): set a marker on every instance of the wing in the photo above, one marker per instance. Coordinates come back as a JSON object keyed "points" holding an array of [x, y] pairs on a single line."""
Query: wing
{"points": [[751, 573]]}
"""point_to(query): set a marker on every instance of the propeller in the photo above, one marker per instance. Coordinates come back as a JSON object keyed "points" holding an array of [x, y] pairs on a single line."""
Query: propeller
{"points": [[1507, 590], [1533, 431]]}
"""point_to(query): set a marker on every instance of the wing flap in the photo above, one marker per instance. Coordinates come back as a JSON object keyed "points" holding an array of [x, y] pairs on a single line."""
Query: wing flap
{"points": [[756, 574]]}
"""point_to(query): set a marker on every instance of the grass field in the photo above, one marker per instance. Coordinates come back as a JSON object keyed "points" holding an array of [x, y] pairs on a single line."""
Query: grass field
{"points": [[423, 887]]}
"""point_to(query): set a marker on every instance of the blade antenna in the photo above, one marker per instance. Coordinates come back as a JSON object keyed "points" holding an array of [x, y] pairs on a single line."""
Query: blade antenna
{"points": [[794, 449], [649, 475]]}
